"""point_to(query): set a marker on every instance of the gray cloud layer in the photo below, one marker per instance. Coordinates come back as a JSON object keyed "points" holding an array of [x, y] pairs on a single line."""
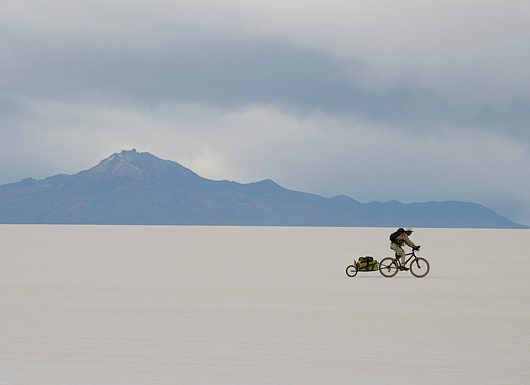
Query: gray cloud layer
{"points": [[325, 97]]}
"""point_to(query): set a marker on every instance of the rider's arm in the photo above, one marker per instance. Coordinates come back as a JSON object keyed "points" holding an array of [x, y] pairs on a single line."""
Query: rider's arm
{"points": [[408, 241]]}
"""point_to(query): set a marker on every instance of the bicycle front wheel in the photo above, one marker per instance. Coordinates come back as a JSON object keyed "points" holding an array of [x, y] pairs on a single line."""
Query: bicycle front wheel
{"points": [[351, 271], [419, 267], [388, 267]]}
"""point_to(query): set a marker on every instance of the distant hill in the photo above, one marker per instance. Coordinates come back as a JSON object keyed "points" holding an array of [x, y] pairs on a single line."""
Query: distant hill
{"points": [[139, 188]]}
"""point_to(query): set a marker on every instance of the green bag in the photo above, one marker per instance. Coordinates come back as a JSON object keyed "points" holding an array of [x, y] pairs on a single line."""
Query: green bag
{"points": [[367, 264]]}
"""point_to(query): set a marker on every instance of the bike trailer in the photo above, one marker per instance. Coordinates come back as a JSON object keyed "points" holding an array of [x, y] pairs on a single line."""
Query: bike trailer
{"points": [[364, 264]]}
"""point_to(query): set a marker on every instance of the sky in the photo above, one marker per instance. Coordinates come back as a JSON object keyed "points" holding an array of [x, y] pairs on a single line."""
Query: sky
{"points": [[412, 101]]}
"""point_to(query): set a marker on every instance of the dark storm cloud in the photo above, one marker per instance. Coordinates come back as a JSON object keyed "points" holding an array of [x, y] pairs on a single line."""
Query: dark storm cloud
{"points": [[235, 74]]}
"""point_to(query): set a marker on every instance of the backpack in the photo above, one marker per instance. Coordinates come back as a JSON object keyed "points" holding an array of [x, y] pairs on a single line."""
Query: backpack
{"points": [[395, 234]]}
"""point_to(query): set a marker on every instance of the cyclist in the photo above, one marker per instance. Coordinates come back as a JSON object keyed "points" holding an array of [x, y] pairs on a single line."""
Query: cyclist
{"points": [[402, 238]]}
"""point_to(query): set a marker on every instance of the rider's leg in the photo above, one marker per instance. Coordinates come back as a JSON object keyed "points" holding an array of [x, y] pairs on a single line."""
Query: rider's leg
{"points": [[399, 252]]}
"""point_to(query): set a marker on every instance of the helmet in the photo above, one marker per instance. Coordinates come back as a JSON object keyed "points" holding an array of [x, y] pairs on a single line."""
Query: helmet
{"points": [[409, 230]]}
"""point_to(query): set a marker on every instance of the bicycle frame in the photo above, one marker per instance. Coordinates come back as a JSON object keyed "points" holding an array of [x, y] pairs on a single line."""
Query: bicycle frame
{"points": [[412, 256]]}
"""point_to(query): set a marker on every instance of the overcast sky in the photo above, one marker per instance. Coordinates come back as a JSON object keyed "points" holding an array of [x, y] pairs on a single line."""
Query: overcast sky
{"points": [[379, 100]]}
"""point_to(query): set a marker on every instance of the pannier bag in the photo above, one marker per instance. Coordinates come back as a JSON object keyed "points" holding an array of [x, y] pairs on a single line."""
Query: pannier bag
{"points": [[367, 264]]}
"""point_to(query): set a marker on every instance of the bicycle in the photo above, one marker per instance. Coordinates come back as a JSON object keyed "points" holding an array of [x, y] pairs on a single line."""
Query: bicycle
{"points": [[419, 267]]}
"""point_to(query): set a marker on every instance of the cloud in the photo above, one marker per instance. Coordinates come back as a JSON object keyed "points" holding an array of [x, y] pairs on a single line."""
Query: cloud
{"points": [[229, 75], [465, 45], [417, 64], [475, 47]]}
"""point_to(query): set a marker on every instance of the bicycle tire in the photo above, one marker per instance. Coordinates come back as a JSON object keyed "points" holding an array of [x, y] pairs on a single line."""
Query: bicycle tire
{"points": [[351, 271], [420, 267], [388, 267]]}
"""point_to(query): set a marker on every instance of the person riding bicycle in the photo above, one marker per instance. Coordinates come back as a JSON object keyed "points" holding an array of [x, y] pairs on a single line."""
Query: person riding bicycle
{"points": [[397, 240]]}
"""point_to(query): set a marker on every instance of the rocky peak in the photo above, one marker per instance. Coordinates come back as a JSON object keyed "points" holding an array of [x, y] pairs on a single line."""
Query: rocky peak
{"points": [[135, 166], [118, 165]]}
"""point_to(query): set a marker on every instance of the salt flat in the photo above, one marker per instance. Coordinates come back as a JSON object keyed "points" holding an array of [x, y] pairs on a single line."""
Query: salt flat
{"points": [[259, 305]]}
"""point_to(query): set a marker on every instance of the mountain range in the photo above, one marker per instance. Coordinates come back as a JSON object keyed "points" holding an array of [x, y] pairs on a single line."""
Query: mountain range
{"points": [[138, 188]]}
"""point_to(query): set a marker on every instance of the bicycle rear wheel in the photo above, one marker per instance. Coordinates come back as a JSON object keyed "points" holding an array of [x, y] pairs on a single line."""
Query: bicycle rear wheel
{"points": [[419, 267], [351, 271], [388, 267]]}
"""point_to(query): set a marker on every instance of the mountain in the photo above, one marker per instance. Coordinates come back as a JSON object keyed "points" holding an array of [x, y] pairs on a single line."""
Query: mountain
{"points": [[139, 188]]}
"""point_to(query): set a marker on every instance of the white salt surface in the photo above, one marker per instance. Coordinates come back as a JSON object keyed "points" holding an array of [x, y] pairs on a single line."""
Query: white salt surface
{"points": [[259, 305]]}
